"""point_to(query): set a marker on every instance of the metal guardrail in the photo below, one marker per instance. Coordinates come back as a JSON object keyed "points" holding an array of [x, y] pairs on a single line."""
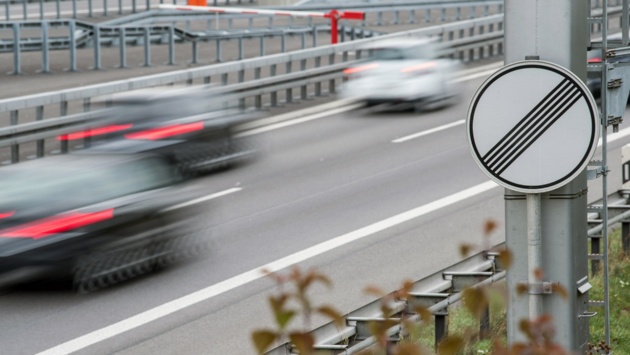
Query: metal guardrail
{"points": [[326, 67], [161, 26]]}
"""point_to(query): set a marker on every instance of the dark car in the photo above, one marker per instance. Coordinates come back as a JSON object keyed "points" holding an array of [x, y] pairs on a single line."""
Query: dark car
{"points": [[95, 219], [198, 131]]}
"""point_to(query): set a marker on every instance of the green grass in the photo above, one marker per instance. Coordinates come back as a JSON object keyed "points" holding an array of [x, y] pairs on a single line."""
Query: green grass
{"points": [[461, 323]]}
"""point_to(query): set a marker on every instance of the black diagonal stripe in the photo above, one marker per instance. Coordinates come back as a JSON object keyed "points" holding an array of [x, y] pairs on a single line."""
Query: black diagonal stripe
{"points": [[537, 122], [525, 121], [556, 116]]}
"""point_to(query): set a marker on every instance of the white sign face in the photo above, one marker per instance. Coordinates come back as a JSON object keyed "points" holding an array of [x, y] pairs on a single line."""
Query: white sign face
{"points": [[533, 126]]}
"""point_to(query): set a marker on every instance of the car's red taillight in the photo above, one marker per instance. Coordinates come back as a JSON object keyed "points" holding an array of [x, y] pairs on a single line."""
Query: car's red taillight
{"points": [[359, 69], [93, 132], [419, 69], [595, 60], [166, 131], [57, 224], [6, 214]]}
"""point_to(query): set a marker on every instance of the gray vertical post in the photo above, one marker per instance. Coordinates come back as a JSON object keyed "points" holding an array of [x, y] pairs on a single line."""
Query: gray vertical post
{"points": [[73, 46], [241, 49], [7, 13], [133, 6], [219, 54], [289, 91], [41, 9], [16, 49], [45, 48], [195, 52], [258, 99], [74, 8], [104, 7], [24, 10], [314, 36], [283, 42], [120, 7], [224, 79], [556, 32], [318, 85], [147, 47], [97, 47], [63, 111], [274, 94], [39, 115], [303, 89], [440, 326], [90, 8], [171, 45], [262, 45], [123, 46], [15, 148]]}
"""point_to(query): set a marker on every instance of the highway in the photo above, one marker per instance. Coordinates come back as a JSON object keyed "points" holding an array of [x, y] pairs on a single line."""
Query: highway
{"points": [[338, 177]]}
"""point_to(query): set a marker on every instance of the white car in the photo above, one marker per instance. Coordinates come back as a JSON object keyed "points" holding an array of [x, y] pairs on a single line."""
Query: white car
{"points": [[407, 71]]}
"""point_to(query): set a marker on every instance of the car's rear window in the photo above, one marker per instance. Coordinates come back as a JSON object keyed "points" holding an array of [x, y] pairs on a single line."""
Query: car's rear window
{"points": [[75, 187], [406, 53]]}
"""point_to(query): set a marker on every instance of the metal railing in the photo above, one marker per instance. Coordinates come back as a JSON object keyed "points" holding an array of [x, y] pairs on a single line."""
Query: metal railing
{"points": [[271, 90]]}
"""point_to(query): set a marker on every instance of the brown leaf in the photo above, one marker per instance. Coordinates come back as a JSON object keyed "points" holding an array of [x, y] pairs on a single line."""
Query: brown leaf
{"points": [[489, 227], [263, 339], [464, 250], [403, 292], [283, 318], [373, 290], [506, 258], [424, 313], [451, 345], [475, 300], [333, 314], [560, 290], [304, 342], [408, 349], [526, 327]]}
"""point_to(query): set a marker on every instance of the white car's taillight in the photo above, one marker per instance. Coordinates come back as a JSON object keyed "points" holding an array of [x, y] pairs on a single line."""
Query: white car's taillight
{"points": [[419, 69]]}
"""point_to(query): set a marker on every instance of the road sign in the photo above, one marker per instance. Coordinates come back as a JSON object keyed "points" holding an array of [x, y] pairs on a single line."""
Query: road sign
{"points": [[533, 126]]}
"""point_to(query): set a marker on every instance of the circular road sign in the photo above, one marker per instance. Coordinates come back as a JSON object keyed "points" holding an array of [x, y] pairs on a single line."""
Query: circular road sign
{"points": [[532, 126]]}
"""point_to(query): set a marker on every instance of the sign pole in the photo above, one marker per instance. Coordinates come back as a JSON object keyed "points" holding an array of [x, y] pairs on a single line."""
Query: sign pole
{"points": [[534, 252]]}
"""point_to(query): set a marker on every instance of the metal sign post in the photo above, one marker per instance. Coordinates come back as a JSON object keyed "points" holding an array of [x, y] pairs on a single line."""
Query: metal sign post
{"points": [[533, 126]]}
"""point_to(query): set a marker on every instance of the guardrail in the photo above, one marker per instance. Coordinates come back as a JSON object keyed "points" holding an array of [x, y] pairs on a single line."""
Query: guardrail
{"points": [[272, 78], [436, 293], [161, 26]]}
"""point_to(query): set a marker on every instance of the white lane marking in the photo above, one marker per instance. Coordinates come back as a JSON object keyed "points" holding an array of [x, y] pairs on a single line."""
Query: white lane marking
{"points": [[278, 125], [202, 199], [257, 273], [429, 131]]}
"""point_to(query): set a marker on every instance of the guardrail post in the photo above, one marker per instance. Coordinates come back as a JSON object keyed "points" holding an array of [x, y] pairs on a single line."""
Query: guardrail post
{"points": [[195, 52], [484, 324], [73, 46], [104, 7], [16, 49], [318, 85], [440, 326], [41, 9], [206, 80], [7, 13], [24, 10], [219, 55], [289, 91], [486, 10], [241, 55], [74, 9], [458, 14], [90, 14], [224, 79], [258, 98], [443, 15], [133, 6], [148, 3], [45, 48], [427, 16], [15, 148], [396, 17], [39, 115], [58, 8], [303, 40], [283, 42], [171, 45], [481, 48], [473, 9], [314, 36], [120, 6], [262, 45], [412, 17], [147, 47], [379, 18], [303, 89], [97, 47], [122, 39], [343, 33], [274, 94]]}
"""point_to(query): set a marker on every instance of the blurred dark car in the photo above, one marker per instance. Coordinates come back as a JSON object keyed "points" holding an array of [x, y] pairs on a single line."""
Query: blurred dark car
{"points": [[197, 131], [94, 219]]}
